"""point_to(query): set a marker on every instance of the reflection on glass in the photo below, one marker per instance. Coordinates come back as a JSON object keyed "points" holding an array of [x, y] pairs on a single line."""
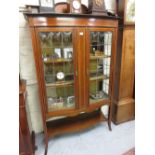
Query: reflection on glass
{"points": [[57, 55], [99, 67]]}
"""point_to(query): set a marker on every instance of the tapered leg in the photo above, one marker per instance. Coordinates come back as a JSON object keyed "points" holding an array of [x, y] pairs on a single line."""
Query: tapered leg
{"points": [[109, 118], [46, 145], [45, 152]]}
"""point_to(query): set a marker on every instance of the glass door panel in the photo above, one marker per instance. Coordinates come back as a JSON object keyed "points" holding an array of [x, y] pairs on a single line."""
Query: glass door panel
{"points": [[99, 65], [57, 57]]}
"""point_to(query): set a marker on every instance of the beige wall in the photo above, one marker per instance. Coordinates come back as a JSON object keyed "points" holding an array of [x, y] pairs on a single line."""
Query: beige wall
{"points": [[28, 72]]}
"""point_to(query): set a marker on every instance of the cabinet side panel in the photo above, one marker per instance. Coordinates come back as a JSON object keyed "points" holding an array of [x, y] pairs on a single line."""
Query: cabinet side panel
{"points": [[118, 64], [114, 61], [39, 78]]}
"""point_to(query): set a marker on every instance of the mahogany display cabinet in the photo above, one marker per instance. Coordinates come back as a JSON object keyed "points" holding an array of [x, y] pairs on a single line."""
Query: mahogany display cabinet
{"points": [[75, 61]]}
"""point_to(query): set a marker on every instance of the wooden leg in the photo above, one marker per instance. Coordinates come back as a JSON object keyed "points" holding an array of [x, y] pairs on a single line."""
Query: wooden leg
{"points": [[46, 148], [45, 152], [46, 145], [33, 142], [109, 118]]}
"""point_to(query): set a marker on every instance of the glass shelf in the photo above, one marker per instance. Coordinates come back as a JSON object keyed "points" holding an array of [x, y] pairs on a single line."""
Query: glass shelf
{"points": [[98, 78], [94, 57], [61, 103], [93, 99], [60, 84], [93, 44], [49, 61]]}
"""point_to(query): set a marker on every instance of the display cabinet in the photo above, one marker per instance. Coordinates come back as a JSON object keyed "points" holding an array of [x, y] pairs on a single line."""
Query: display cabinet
{"points": [[75, 61]]}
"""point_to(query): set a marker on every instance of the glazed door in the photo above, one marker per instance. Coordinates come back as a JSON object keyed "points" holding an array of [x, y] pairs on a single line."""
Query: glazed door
{"points": [[59, 69], [98, 63]]}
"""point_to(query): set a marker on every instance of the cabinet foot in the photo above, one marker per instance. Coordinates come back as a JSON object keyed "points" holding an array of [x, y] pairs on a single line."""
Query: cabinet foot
{"points": [[109, 125], [109, 118], [46, 148], [45, 152], [46, 145]]}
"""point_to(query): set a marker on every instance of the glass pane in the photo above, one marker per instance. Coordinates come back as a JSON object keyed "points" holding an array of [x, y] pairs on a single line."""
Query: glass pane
{"points": [[99, 67], [57, 56]]}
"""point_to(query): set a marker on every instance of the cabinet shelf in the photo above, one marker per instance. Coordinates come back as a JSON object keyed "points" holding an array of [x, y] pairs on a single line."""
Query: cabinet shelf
{"points": [[98, 78], [94, 101], [98, 44], [71, 124], [58, 46], [94, 57], [95, 71], [60, 84], [60, 106], [54, 75], [62, 60]]}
